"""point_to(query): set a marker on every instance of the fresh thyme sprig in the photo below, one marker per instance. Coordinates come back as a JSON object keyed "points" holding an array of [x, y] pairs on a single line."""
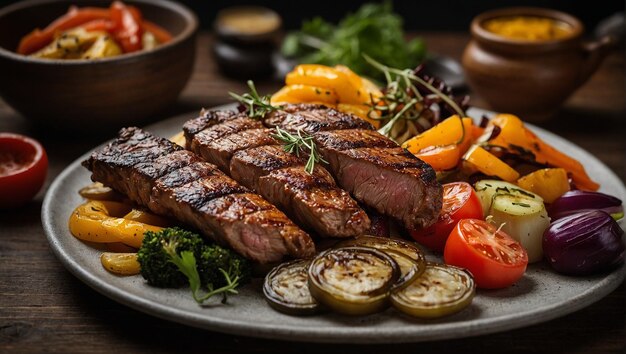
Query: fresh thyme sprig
{"points": [[186, 264], [301, 142], [258, 106]]}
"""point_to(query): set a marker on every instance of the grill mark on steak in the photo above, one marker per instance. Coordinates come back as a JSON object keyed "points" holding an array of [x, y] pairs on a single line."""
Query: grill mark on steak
{"points": [[371, 167], [220, 151], [253, 158], [206, 119], [311, 118], [247, 166], [197, 193], [353, 139], [157, 168]]}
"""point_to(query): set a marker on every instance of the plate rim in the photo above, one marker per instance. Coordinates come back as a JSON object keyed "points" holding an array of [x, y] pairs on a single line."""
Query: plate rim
{"points": [[347, 334]]}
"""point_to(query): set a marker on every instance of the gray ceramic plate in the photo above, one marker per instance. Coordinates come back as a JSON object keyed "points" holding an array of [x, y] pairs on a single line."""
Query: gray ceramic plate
{"points": [[539, 296]]}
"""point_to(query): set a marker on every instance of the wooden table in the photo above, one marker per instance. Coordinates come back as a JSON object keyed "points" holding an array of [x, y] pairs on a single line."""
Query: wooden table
{"points": [[44, 308]]}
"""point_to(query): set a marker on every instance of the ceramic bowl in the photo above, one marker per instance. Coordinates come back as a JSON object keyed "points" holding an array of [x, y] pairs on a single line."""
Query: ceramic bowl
{"points": [[87, 95], [530, 78]]}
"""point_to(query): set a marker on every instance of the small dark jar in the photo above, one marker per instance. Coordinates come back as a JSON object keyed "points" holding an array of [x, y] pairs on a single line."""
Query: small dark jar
{"points": [[246, 40]]}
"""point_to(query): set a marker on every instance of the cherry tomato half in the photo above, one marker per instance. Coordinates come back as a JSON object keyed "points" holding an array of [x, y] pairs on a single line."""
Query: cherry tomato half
{"points": [[494, 258], [459, 202], [23, 169]]}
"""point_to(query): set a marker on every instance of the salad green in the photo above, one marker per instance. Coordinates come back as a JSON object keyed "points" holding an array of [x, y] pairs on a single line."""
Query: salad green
{"points": [[374, 30]]}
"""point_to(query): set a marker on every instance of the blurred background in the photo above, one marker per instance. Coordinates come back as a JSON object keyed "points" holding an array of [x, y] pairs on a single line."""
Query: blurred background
{"points": [[418, 15]]}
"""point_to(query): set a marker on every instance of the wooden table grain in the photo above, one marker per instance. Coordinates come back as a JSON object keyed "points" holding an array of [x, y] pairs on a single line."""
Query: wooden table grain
{"points": [[43, 308]]}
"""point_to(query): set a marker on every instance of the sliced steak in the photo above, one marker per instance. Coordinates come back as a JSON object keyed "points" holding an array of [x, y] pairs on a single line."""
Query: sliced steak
{"points": [[220, 151], [312, 118], [169, 181], [371, 167], [253, 158]]}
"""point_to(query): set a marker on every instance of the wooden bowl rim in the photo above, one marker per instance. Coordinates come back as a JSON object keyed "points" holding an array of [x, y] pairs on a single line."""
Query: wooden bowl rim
{"points": [[479, 32], [191, 27]]}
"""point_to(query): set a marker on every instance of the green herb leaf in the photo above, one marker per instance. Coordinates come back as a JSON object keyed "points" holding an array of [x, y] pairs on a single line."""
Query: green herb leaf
{"points": [[257, 106], [301, 142], [373, 29], [186, 264]]}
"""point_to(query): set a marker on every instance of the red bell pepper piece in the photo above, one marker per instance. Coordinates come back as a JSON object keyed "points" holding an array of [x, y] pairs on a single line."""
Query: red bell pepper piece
{"points": [[128, 30]]}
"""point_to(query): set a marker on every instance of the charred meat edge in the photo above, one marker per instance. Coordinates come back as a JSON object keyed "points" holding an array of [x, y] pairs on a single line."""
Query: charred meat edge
{"points": [[168, 180]]}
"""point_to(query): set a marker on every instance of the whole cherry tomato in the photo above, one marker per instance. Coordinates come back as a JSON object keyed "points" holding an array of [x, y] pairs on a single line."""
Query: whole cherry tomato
{"points": [[459, 202], [494, 258], [23, 169]]}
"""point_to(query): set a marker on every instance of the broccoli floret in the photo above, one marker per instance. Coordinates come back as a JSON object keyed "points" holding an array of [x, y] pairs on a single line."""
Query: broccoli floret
{"points": [[213, 258], [155, 263], [159, 267]]}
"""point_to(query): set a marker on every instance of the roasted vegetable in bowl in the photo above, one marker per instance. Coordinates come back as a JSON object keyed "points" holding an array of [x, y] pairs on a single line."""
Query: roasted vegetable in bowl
{"points": [[94, 33]]}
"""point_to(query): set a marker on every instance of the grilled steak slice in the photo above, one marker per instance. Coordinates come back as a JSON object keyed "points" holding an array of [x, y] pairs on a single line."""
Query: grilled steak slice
{"points": [[206, 119], [312, 118], [170, 181], [253, 158], [220, 151], [374, 169]]}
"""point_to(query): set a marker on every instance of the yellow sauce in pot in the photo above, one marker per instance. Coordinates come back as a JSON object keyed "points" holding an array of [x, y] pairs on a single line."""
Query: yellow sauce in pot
{"points": [[528, 28]]}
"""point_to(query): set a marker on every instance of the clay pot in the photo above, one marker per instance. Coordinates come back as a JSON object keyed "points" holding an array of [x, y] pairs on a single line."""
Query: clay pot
{"points": [[530, 78]]}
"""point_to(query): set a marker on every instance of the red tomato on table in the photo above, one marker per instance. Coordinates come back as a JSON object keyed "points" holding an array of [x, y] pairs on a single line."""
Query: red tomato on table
{"points": [[494, 258], [459, 202], [23, 169]]}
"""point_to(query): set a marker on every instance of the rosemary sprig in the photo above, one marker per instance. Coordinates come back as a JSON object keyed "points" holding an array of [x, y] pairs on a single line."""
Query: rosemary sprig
{"points": [[403, 100], [408, 75], [301, 142], [258, 106]]}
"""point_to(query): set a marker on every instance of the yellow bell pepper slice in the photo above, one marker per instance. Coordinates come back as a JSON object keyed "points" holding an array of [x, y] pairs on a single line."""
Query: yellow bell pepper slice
{"points": [[330, 78], [361, 83], [487, 163], [359, 110], [147, 218], [120, 263], [95, 221], [304, 93], [548, 183], [513, 132]]}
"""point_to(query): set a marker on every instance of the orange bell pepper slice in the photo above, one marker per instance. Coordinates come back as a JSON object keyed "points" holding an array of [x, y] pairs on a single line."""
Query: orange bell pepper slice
{"points": [[448, 132], [441, 146], [75, 17], [441, 158], [487, 163], [513, 132]]}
